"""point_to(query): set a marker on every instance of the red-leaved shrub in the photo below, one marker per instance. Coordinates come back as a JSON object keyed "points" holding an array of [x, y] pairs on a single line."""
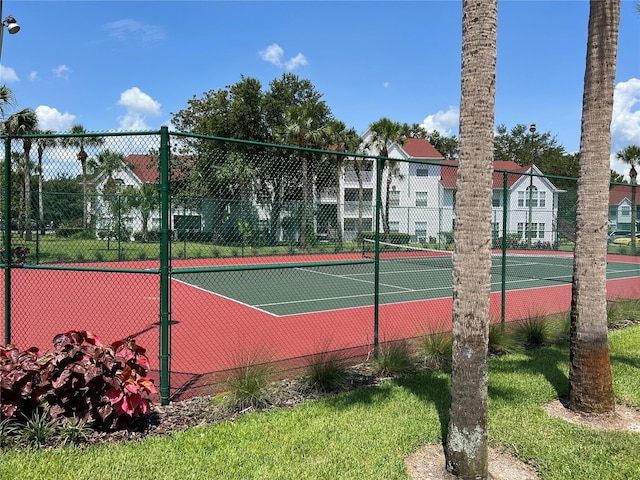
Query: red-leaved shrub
{"points": [[105, 384]]}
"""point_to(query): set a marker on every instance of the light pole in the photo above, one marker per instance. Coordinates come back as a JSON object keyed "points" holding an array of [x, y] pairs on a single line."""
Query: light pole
{"points": [[10, 24], [532, 130]]}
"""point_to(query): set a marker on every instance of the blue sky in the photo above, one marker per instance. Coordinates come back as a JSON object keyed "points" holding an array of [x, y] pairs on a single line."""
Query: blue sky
{"points": [[127, 65]]}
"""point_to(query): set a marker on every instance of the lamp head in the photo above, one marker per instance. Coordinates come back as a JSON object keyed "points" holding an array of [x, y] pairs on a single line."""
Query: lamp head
{"points": [[11, 24], [532, 128]]}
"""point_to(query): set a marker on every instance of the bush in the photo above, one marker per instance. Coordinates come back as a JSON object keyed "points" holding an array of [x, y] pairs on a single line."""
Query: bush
{"points": [[66, 232], [435, 350], [394, 358], [327, 373], [81, 378], [247, 387]]}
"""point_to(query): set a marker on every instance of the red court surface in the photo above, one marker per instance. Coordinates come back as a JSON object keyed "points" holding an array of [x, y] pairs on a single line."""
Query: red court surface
{"points": [[211, 334]]}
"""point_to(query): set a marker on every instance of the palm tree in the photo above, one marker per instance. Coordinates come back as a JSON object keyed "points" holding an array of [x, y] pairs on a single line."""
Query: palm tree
{"points": [[107, 163], [384, 133], [23, 122], [466, 448], [631, 156], [343, 139], [305, 129], [7, 99], [146, 199], [43, 143], [81, 141], [590, 381]]}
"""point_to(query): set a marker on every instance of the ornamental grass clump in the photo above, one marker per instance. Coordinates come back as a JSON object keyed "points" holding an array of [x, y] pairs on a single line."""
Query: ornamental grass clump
{"points": [[536, 331], [394, 358], [435, 350], [247, 387], [327, 373]]}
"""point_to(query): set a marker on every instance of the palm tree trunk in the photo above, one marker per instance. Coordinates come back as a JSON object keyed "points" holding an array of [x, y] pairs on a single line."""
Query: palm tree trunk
{"points": [[590, 379], [40, 194], [27, 190], [339, 202], [466, 447], [305, 200]]}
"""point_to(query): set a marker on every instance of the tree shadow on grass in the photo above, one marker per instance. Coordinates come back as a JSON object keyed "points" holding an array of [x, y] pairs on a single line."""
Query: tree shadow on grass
{"points": [[545, 361], [432, 387]]}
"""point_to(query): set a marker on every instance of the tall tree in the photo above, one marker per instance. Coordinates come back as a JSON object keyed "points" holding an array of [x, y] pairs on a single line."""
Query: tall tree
{"points": [[590, 381], [82, 141], [342, 139], [107, 163], [23, 122], [7, 100], [466, 447], [43, 143], [384, 133], [306, 129], [631, 156]]}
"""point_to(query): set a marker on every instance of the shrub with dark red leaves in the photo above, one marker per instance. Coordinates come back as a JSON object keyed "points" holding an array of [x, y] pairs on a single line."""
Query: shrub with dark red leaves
{"points": [[104, 384]]}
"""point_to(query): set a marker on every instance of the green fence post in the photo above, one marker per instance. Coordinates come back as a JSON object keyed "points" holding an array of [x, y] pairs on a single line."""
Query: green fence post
{"points": [[165, 271], [376, 281], [7, 240], [503, 288]]}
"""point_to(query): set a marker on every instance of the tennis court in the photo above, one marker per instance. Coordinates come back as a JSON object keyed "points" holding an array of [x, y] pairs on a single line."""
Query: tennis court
{"points": [[407, 274]]}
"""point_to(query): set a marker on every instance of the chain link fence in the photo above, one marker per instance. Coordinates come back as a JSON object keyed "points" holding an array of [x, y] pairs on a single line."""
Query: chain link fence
{"points": [[216, 253]]}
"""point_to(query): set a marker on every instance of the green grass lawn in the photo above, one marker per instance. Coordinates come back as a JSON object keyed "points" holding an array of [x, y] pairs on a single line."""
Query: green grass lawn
{"points": [[367, 433]]}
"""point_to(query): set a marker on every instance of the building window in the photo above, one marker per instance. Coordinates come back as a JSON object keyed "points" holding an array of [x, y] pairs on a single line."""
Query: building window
{"points": [[496, 200], [520, 229], [422, 171], [421, 199], [495, 230], [613, 212], [421, 232], [394, 227], [541, 230], [523, 198], [625, 211], [394, 198], [542, 200]]}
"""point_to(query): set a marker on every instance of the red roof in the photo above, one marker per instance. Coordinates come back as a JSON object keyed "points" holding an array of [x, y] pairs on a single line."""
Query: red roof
{"points": [[144, 166], [619, 192], [421, 148], [449, 174]]}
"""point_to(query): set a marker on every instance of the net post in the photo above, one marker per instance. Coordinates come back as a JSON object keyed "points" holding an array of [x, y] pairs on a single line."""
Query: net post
{"points": [[503, 287], [164, 353], [7, 240]]}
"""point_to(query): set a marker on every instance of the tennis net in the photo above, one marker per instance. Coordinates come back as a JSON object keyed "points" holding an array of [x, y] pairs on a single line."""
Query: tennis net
{"points": [[542, 265]]}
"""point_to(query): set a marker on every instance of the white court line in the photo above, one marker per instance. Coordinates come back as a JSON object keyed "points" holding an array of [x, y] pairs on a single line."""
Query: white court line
{"points": [[347, 277]]}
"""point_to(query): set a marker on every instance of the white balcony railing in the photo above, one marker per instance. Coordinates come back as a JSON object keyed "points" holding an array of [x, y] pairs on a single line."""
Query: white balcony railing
{"points": [[352, 209], [351, 177]]}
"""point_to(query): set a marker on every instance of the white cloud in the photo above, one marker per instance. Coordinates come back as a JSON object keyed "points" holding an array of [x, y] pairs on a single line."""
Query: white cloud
{"points": [[136, 101], [62, 71], [127, 28], [274, 54], [138, 105], [8, 74], [445, 122], [50, 118], [33, 76], [625, 123], [133, 122]]}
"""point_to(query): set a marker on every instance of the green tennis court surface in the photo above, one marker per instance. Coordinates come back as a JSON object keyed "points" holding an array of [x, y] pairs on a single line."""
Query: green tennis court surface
{"points": [[299, 290]]}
